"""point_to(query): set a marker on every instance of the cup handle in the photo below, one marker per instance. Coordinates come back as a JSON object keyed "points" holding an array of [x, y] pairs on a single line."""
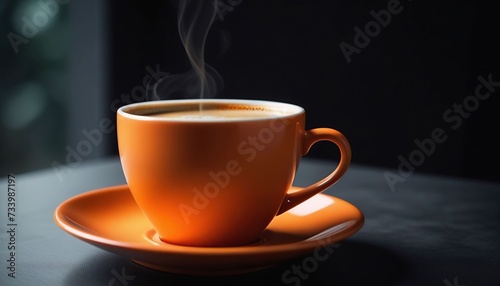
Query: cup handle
{"points": [[309, 138]]}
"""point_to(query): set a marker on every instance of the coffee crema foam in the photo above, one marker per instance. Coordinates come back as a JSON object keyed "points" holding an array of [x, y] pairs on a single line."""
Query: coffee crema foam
{"points": [[217, 114]]}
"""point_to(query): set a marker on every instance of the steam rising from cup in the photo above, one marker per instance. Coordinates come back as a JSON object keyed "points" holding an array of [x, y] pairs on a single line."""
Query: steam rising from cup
{"points": [[194, 19]]}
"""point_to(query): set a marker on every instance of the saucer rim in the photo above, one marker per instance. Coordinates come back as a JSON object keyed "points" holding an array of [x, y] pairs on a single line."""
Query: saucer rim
{"points": [[136, 250], [181, 248]]}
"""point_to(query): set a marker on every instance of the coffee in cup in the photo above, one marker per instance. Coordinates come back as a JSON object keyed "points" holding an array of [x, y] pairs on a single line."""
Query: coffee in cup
{"points": [[216, 172]]}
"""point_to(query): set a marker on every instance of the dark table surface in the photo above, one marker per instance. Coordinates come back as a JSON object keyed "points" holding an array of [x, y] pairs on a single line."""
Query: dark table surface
{"points": [[428, 230]]}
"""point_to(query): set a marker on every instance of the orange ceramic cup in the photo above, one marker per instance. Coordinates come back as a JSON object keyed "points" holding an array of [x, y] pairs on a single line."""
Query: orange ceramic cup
{"points": [[216, 172]]}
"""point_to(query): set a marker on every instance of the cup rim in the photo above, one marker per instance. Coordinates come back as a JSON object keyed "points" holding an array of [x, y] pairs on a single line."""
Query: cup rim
{"points": [[291, 109]]}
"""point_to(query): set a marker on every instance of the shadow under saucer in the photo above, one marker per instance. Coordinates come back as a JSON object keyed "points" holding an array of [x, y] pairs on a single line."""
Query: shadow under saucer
{"points": [[345, 263]]}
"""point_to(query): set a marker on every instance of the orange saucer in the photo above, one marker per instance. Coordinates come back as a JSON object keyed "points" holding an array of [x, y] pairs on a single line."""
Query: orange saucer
{"points": [[110, 219]]}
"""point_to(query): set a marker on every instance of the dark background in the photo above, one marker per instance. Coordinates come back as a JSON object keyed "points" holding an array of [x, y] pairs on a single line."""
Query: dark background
{"points": [[393, 92]]}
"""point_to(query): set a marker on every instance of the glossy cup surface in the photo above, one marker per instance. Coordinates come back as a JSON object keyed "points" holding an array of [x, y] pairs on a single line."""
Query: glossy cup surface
{"points": [[211, 182]]}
